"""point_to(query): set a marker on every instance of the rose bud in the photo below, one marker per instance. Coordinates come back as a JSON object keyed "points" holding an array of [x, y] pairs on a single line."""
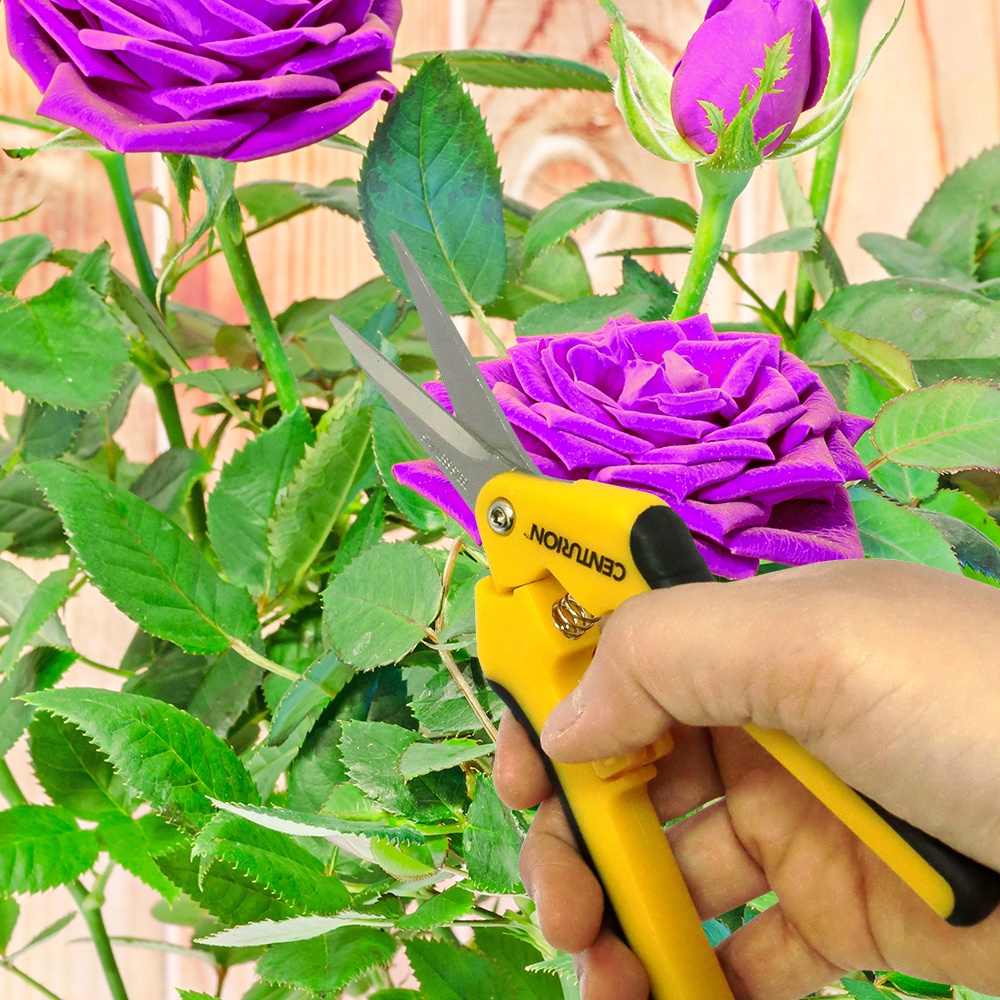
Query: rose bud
{"points": [[233, 80], [723, 59], [740, 438]]}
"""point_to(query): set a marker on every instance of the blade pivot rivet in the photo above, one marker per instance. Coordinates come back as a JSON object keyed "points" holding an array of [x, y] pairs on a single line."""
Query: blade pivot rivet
{"points": [[501, 516]]}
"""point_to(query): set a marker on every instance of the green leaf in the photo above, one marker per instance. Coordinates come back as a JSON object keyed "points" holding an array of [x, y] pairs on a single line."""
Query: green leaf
{"points": [[170, 759], [9, 912], [393, 443], [917, 987], [326, 964], [222, 381], [16, 590], [432, 176], [377, 610], [802, 239], [19, 255], [214, 689], [44, 602], [136, 843], [167, 481], [43, 355], [49, 931], [145, 563], [947, 427], [320, 684], [863, 990], [889, 531], [582, 316], [442, 710], [73, 772], [975, 551], [425, 758], [495, 971], [194, 995], [227, 893], [822, 265], [945, 331], [963, 993], [274, 860], [492, 842], [516, 69], [886, 360], [372, 752], [39, 670], [951, 222], [662, 293], [37, 530], [244, 501], [303, 928], [271, 202], [46, 431], [957, 504], [41, 847], [441, 910], [556, 221], [866, 395], [315, 498], [97, 428], [365, 531], [510, 956], [265, 991], [904, 258]]}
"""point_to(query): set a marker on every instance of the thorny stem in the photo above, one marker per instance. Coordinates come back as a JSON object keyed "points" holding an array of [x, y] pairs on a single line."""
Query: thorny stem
{"points": [[90, 911], [720, 189], [470, 695], [234, 247]]}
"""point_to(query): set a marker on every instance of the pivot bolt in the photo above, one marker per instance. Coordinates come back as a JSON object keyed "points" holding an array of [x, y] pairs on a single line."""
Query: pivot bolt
{"points": [[501, 516]]}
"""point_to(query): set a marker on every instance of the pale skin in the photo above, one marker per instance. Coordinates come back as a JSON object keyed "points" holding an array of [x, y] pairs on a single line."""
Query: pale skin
{"points": [[887, 672]]}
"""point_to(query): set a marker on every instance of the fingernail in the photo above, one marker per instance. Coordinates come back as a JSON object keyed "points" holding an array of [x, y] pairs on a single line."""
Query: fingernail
{"points": [[563, 718]]}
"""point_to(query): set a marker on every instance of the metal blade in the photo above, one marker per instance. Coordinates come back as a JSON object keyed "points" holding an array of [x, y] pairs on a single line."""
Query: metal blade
{"points": [[467, 462], [475, 405]]}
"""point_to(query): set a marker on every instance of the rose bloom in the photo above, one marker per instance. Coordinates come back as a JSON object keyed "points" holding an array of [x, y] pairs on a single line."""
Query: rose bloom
{"points": [[740, 438], [217, 78], [719, 62]]}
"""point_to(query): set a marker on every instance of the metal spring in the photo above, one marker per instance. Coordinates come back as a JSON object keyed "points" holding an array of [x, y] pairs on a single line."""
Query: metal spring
{"points": [[572, 618]]}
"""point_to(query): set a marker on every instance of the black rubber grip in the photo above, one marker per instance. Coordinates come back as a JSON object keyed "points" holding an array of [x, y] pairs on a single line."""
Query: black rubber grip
{"points": [[611, 920], [665, 554], [976, 887], [664, 551]]}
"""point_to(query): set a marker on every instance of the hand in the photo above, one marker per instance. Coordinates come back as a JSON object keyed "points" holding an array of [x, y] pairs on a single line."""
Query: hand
{"points": [[885, 671]]}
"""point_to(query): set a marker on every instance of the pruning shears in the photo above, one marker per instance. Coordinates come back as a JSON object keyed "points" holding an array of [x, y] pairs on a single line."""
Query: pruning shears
{"points": [[562, 555]]}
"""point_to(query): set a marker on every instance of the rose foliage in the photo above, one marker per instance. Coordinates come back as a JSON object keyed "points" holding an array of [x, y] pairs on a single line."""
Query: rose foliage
{"points": [[742, 439], [240, 81]]}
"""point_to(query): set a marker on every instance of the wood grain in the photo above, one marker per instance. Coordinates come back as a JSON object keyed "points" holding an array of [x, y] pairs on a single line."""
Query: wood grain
{"points": [[931, 101]]}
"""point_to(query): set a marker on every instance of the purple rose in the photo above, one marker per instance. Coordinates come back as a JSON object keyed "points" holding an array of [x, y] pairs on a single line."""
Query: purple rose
{"points": [[740, 438], [208, 77], [719, 62]]}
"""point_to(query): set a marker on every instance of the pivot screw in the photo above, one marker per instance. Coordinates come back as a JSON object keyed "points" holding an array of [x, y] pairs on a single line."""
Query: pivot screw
{"points": [[501, 516]]}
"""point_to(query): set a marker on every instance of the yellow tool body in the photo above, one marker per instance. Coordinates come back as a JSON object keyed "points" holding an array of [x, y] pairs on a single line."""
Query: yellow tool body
{"points": [[575, 537]]}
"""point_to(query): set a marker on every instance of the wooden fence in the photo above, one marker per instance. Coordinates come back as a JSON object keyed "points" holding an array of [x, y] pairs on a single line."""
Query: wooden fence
{"points": [[931, 101]]}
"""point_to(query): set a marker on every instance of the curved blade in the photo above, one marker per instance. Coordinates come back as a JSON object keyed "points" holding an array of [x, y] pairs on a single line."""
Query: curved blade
{"points": [[468, 462], [475, 405]]}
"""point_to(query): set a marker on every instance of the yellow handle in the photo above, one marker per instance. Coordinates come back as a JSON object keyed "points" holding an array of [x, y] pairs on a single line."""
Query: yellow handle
{"points": [[860, 818], [537, 666]]}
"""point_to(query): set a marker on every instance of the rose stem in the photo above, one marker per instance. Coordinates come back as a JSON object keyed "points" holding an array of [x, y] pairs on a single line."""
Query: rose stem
{"points": [[163, 389], [234, 247], [844, 46], [91, 912], [720, 189]]}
